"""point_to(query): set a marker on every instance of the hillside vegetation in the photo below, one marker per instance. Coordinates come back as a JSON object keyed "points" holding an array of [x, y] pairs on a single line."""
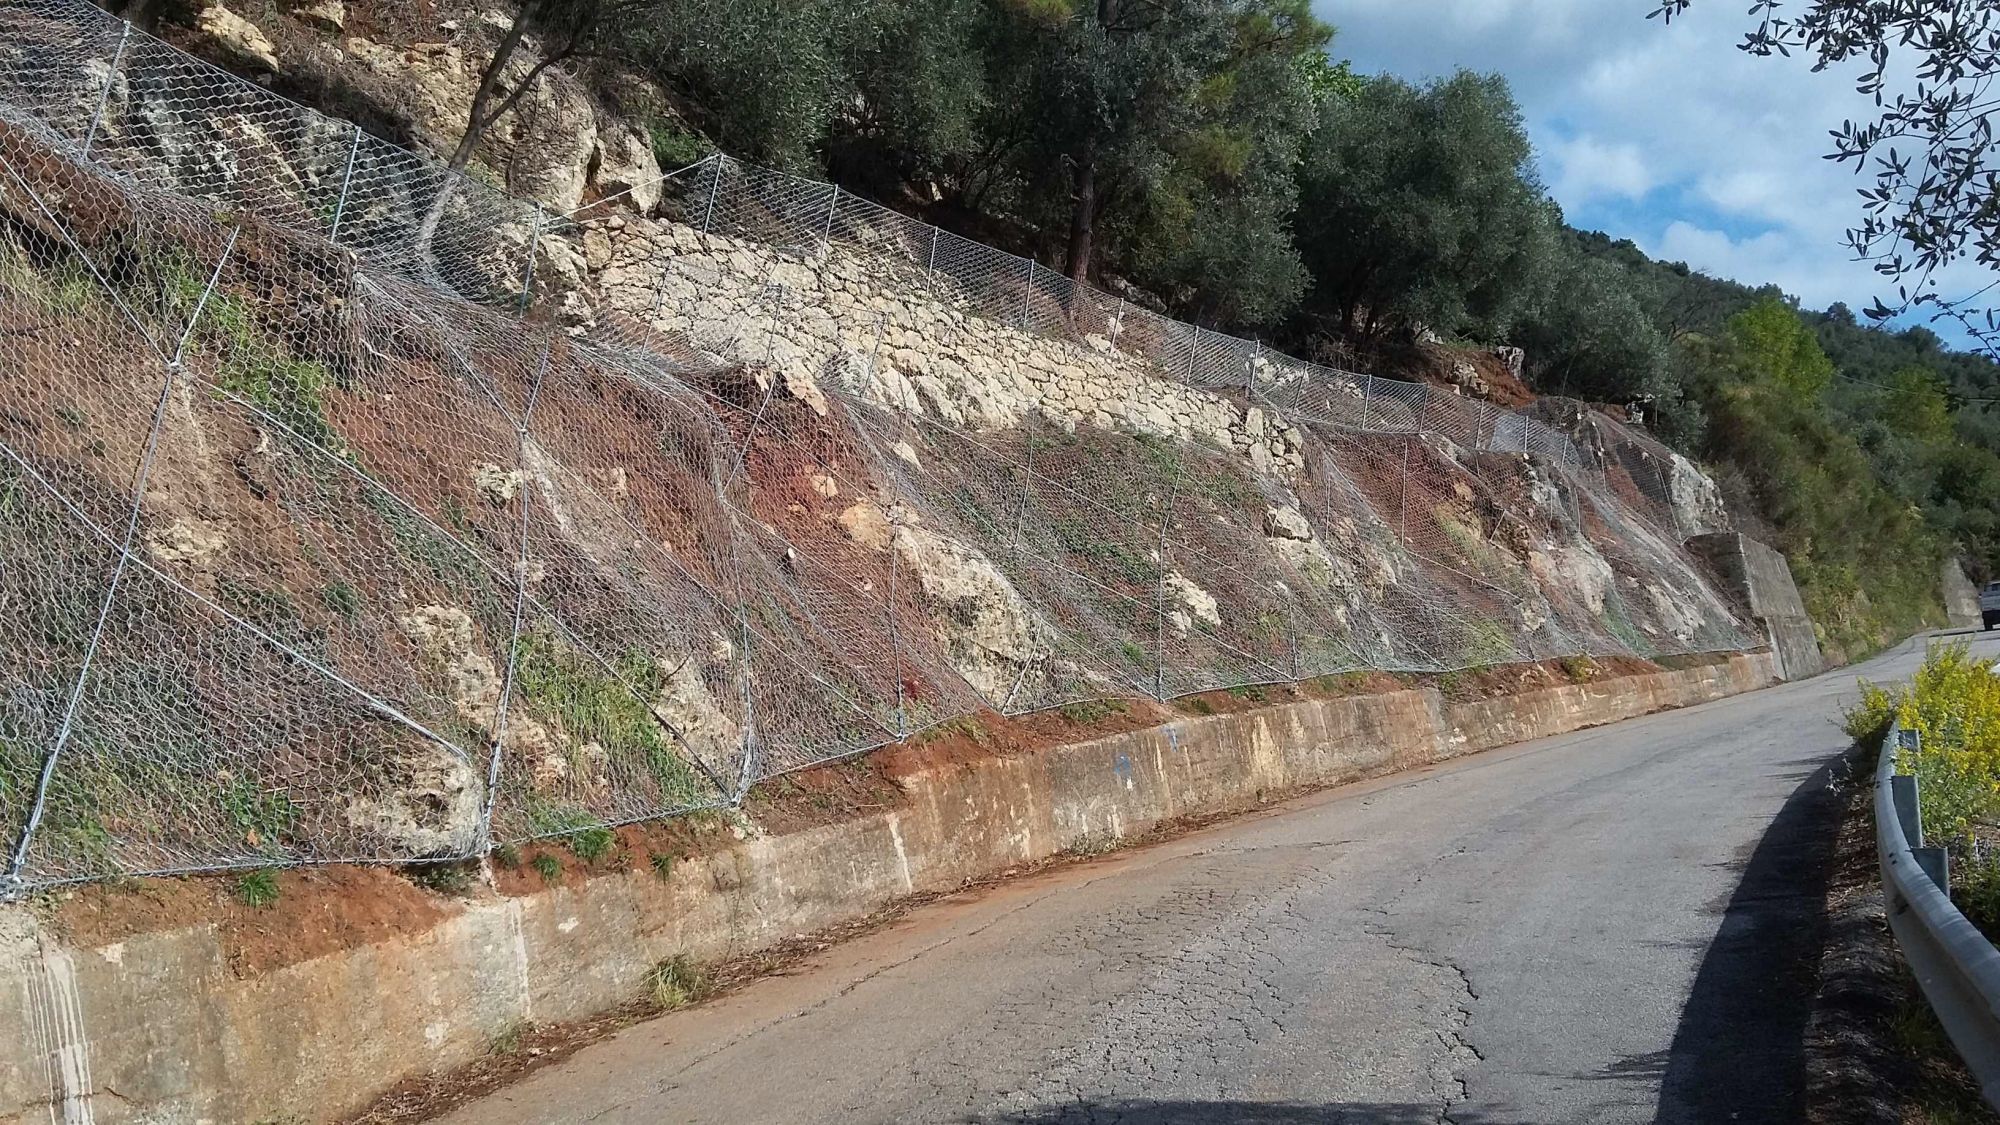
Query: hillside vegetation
{"points": [[328, 563], [1209, 158]]}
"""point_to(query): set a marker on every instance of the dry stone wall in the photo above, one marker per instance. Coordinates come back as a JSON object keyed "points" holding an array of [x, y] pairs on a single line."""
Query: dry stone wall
{"points": [[894, 338]]}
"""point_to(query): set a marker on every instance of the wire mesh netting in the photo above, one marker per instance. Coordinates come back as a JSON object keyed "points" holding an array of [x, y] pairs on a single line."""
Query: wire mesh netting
{"points": [[353, 511]]}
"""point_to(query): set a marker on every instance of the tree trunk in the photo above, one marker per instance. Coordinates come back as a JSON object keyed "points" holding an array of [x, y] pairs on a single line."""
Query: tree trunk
{"points": [[142, 14], [1083, 216], [477, 120]]}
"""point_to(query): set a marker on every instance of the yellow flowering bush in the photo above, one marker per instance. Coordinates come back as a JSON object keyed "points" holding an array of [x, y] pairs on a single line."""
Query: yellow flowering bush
{"points": [[1953, 703]]}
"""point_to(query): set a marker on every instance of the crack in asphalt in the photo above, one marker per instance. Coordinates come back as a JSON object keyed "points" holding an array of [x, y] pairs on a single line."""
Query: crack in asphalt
{"points": [[1453, 1038]]}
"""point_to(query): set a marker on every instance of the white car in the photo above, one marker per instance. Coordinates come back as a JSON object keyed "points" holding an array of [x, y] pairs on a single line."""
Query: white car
{"points": [[1989, 605]]}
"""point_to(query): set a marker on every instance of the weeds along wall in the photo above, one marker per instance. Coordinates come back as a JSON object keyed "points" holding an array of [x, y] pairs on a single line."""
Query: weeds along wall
{"points": [[351, 511]]}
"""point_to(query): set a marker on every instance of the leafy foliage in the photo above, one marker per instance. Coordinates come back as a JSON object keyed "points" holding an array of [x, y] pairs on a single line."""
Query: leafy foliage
{"points": [[1175, 127], [1953, 703], [1930, 65], [677, 982], [1769, 343], [1419, 207], [1590, 334], [1826, 501], [259, 888], [723, 57]]}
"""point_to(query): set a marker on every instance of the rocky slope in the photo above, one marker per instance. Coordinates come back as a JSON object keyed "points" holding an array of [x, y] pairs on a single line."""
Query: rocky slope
{"points": [[406, 519]]}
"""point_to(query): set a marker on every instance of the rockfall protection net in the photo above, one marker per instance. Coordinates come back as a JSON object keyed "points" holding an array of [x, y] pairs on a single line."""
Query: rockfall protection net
{"points": [[353, 511]]}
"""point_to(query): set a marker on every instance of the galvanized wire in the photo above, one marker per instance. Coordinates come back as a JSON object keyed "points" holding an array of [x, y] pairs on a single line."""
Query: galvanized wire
{"points": [[353, 511]]}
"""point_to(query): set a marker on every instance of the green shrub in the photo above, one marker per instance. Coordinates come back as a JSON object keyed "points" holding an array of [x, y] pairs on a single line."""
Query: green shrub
{"points": [[1976, 890], [1868, 719], [674, 146], [1579, 669], [1954, 702], [258, 888]]}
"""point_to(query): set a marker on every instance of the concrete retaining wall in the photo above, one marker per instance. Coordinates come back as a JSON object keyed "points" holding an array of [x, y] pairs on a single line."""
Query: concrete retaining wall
{"points": [[1961, 597], [1760, 579], [162, 1027]]}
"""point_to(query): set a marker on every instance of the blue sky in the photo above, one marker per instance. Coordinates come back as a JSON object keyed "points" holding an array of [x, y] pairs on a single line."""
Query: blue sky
{"points": [[1668, 136]]}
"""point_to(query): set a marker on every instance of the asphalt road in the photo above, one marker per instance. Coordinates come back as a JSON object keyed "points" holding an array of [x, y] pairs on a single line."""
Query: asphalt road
{"points": [[1611, 926]]}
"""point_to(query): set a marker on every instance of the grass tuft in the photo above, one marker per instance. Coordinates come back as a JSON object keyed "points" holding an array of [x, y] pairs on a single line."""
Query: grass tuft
{"points": [[677, 982], [1091, 710], [511, 1041], [592, 844], [547, 866], [258, 889], [1338, 683], [609, 707], [343, 600], [263, 816]]}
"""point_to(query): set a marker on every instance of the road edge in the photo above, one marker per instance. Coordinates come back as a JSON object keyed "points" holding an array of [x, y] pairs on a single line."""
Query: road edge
{"points": [[164, 1025]]}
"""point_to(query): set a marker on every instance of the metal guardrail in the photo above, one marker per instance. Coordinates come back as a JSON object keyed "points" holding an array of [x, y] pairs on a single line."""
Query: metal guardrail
{"points": [[1957, 968]]}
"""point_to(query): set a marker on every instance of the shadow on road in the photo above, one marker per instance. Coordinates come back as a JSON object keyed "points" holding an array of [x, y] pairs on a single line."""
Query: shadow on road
{"points": [[1143, 1111], [1738, 1054]]}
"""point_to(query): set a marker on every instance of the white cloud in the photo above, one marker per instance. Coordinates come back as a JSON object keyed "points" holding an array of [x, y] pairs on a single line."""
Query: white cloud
{"points": [[1669, 136], [1769, 257], [1586, 168]]}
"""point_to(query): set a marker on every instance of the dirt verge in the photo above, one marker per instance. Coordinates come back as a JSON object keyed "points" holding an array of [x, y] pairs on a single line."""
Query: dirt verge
{"points": [[1874, 1053], [318, 910]]}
